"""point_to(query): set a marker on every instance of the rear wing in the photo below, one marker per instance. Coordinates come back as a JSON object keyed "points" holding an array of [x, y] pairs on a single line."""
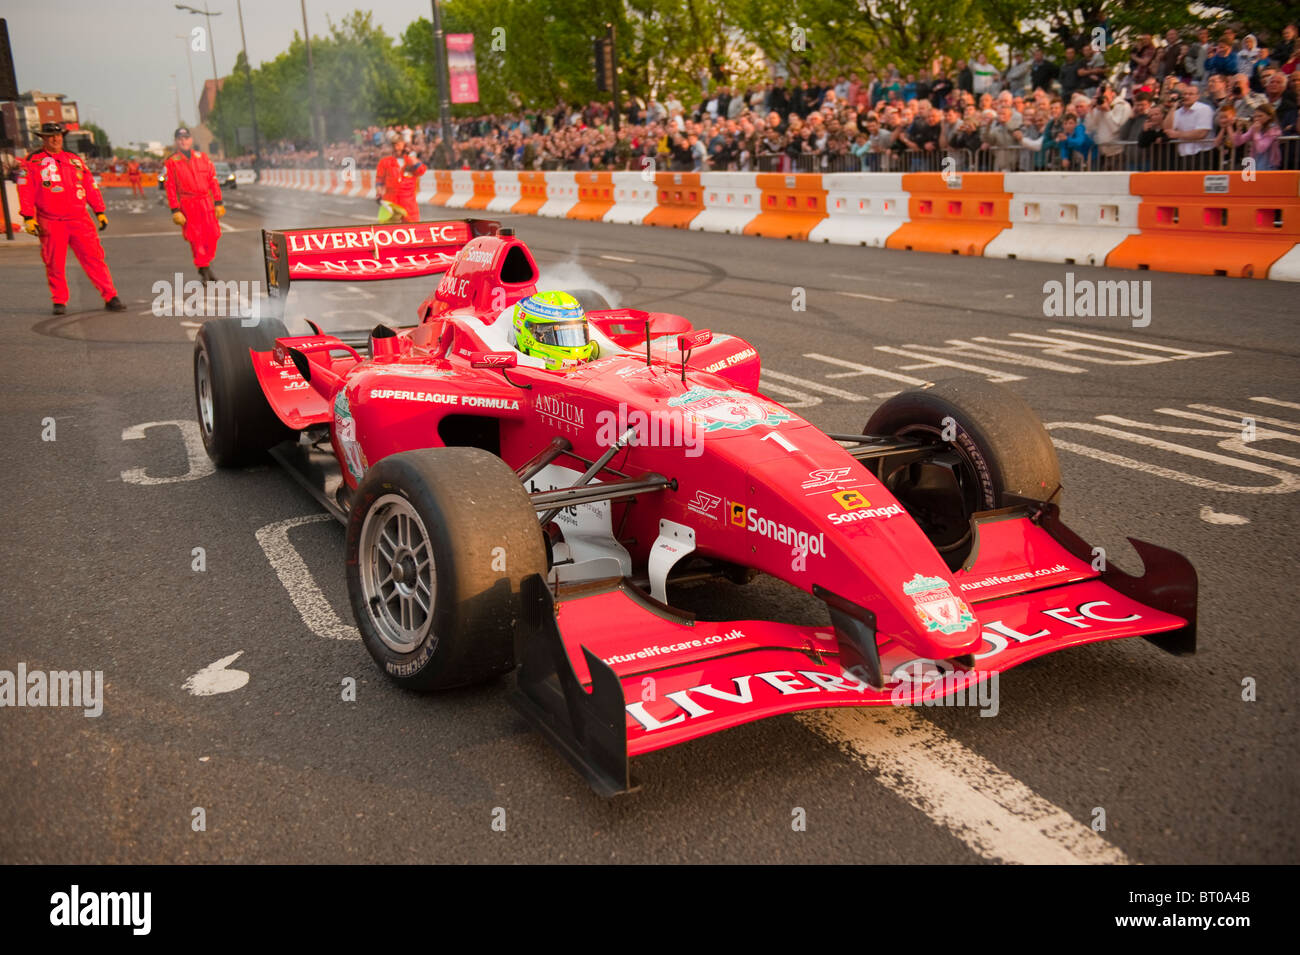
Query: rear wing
{"points": [[365, 252]]}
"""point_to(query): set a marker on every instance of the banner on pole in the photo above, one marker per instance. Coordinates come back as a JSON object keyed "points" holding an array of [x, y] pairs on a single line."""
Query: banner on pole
{"points": [[461, 68]]}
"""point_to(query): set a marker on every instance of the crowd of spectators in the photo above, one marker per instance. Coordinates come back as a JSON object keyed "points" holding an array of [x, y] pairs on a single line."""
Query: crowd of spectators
{"points": [[1181, 101]]}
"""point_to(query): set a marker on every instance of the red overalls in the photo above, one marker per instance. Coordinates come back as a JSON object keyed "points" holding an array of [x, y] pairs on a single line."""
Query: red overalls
{"points": [[192, 188], [398, 180], [133, 176], [55, 189]]}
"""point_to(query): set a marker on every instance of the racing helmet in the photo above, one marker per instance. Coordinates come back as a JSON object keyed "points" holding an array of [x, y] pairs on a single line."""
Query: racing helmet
{"points": [[552, 326]]}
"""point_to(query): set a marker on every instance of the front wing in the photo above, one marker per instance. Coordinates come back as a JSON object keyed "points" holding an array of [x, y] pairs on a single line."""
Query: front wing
{"points": [[606, 673]]}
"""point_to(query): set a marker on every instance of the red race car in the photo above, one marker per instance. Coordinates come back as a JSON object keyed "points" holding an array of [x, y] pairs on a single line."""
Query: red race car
{"points": [[506, 515]]}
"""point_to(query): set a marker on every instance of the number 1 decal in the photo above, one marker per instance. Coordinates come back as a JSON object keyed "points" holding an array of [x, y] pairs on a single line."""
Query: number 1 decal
{"points": [[781, 440]]}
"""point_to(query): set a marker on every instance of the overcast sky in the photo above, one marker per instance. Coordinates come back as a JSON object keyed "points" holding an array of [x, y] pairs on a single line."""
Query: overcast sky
{"points": [[117, 58]]}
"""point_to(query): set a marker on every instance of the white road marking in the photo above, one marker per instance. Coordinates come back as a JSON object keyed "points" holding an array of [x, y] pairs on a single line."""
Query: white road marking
{"points": [[796, 399], [813, 385], [986, 352], [237, 205], [1211, 516], [1178, 353], [1237, 417], [1275, 401], [872, 278], [215, 678], [932, 361], [289, 566], [997, 816], [140, 235], [200, 465], [873, 298], [1137, 352], [1284, 483], [861, 370], [617, 258], [1232, 438]]}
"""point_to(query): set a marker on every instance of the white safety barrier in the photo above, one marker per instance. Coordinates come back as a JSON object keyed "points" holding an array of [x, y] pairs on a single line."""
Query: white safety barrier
{"points": [[561, 194], [462, 189], [1066, 217], [428, 188], [862, 208], [731, 201], [635, 197], [1287, 268], [245, 177], [507, 192]]}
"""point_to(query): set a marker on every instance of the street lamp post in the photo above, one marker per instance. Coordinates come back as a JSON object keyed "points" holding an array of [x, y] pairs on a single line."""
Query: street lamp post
{"points": [[317, 134], [444, 96], [176, 94], [252, 100], [189, 61], [212, 49]]}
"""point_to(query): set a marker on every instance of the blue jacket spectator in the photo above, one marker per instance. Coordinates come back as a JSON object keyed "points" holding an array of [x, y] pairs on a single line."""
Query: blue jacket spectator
{"points": [[1224, 62]]}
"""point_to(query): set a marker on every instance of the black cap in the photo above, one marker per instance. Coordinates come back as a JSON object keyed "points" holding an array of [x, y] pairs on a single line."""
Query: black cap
{"points": [[181, 131], [506, 230], [52, 129]]}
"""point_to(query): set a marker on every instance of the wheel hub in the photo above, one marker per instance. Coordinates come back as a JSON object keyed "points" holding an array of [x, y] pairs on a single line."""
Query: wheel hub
{"points": [[398, 579], [203, 377]]}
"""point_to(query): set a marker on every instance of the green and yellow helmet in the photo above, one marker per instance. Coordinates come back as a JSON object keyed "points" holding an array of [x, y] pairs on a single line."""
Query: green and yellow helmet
{"points": [[552, 326]]}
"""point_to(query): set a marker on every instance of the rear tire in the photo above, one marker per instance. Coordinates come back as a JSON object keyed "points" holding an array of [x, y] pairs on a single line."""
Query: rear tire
{"points": [[1003, 453], [439, 542], [237, 424]]}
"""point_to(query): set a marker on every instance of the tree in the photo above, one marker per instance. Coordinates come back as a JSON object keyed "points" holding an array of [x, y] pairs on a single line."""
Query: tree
{"points": [[103, 147]]}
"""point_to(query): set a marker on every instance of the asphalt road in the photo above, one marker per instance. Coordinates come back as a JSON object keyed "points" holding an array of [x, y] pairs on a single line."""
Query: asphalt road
{"points": [[101, 526]]}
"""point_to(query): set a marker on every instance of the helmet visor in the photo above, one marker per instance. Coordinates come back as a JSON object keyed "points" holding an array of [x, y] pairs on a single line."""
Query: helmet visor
{"points": [[562, 334]]}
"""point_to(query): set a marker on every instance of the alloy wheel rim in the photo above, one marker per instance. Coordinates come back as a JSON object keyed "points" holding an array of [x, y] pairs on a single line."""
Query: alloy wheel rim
{"points": [[398, 579]]}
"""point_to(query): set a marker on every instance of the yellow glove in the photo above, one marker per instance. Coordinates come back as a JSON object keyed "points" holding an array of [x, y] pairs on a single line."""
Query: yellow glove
{"points": [[30, 226], [103, 221], [220, 210], [178, 217]]}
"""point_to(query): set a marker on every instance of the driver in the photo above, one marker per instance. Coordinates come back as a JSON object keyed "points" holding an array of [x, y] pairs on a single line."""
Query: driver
{"points": [[552, 326]]}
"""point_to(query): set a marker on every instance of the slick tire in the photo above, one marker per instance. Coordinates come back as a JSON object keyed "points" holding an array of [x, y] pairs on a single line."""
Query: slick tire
{"points": [[1004, 453], [235, 421], [439, 541]]}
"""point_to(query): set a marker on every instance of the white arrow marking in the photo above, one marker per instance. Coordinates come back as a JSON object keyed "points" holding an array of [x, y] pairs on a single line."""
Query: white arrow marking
{"points": [[215, 678], [1211, 516]]}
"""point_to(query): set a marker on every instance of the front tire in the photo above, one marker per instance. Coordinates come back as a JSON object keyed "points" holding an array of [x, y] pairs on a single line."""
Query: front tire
{"points": [[235, 420], [998, 454], [439, 541]]}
